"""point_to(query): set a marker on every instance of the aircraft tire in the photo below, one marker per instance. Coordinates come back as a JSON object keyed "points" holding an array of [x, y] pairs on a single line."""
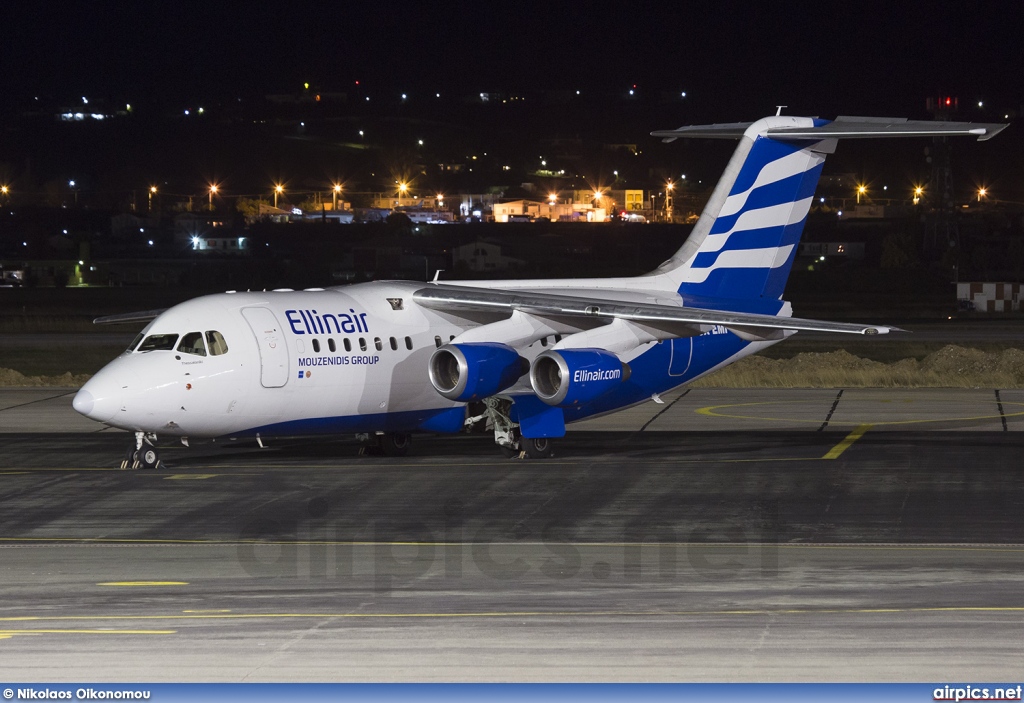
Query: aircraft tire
{"points": [[537, 448], [395, 443], [148, 457]]}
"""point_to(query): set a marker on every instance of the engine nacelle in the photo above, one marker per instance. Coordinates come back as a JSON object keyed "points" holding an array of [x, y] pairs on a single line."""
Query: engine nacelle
{"points": [[467, 372], [568, 377]]}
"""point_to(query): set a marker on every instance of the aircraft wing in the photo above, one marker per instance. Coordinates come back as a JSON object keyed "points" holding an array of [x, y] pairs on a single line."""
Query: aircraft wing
{"points": [[125, 317], [453, 299]]}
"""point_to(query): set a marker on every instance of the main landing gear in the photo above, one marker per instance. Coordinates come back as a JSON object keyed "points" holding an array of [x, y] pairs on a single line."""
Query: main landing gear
{"points": [[142, 453], [508, 436], [386, 444]]}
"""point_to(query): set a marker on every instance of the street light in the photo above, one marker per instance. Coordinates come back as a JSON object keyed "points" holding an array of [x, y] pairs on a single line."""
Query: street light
{"points": [[982, 192], [861, 190], [71, 185], [278, 190], [337, 190], [440, 200], [918, 193], [213, 192], [152, 192]]}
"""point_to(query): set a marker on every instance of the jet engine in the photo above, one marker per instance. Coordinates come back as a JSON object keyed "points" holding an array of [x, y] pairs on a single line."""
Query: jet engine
{"points": [[467, 372], [568, 377]]}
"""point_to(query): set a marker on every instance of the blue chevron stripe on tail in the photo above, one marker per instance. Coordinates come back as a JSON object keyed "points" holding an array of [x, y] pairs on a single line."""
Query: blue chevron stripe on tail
{"points": [[744, 244]]}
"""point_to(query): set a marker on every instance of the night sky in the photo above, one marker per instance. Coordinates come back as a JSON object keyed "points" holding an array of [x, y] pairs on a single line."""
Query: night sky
{"points": [[736, 60]]}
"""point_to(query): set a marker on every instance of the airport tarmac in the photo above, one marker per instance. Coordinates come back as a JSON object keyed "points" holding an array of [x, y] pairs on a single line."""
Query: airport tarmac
{"points": [[725, 535]]}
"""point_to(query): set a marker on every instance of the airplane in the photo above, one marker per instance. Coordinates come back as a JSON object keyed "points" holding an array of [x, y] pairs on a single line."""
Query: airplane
{"points": [[386, 359]]}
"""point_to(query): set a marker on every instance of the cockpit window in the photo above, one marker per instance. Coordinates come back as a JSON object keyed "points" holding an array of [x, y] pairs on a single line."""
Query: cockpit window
{"points": [[216, 342], [192, 343], [135, 342], [158, 342]]}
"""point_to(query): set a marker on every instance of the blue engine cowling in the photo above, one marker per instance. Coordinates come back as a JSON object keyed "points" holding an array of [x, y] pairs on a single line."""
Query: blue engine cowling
{"points": [[467, 372], [568, 377]]}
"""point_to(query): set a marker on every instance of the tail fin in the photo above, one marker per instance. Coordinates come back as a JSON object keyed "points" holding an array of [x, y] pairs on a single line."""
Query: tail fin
{"points": [[744, 243]]}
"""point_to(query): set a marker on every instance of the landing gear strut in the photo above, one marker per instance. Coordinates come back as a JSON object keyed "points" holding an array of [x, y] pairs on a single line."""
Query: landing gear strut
{"points": [[508, 436], [142, 453]]}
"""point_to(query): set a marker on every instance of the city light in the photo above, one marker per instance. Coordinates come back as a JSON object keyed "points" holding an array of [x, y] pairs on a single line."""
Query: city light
{"points": [[552, 198], [918, 193], [861, 190], [213, 192], [335, 191], [670, 185], [4, 190], [982, 192], [278, 190]]}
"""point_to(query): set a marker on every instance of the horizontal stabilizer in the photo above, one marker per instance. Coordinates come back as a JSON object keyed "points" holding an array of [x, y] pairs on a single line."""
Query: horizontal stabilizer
{"points": [[126, 317], [457, 298], [843, 127]]}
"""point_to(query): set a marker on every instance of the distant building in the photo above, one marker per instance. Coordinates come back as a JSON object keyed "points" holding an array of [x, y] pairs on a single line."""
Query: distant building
{"points": [[221, 243], [849, 250], [190, 225], [989, 297], [529, 210], [628, 200], [482, 255]]}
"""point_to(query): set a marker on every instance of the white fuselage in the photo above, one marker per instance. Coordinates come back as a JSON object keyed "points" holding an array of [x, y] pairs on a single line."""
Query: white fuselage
{"points": [[297, 362]]}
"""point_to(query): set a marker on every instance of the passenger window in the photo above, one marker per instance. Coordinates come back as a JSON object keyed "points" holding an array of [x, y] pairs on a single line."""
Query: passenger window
{"points": [[437, 341], [135, 342], [348, 345], [377, 343], [316, 346], [192, 343], [331, 345], [215, 343], [394, 344], [158, 342], [362, 344], [408, 343]]}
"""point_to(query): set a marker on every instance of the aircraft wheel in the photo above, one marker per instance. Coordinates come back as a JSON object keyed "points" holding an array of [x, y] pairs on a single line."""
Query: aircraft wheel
{"points": [[537, 448], [148, 457], [395, 443]]}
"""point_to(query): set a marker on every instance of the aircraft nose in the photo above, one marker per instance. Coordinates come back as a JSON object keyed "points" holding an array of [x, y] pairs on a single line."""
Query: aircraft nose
{"points": [[98, 400], [83, 402]]}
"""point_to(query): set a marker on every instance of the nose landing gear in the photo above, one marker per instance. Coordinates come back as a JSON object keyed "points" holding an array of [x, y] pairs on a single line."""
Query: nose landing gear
{"points": [[142, 453]]}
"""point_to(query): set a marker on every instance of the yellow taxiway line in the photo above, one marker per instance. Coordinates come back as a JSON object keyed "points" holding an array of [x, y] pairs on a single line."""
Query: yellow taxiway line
{"points": [[837, 450]]}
